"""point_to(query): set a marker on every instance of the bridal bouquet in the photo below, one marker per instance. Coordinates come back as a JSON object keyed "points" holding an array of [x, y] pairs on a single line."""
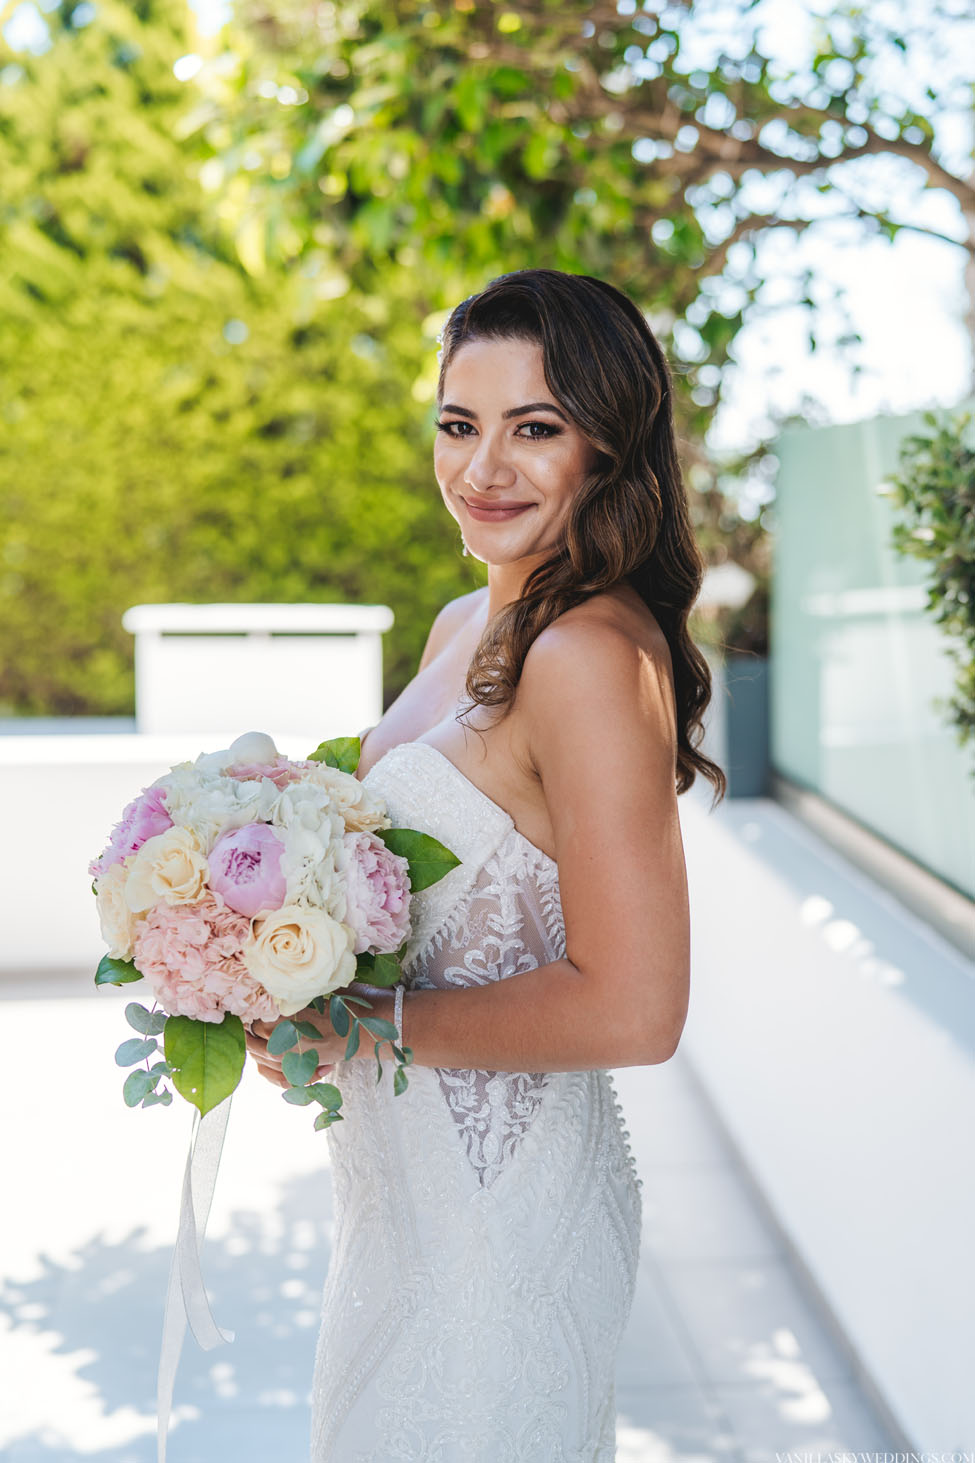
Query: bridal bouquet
{"points": [[246, 887]]}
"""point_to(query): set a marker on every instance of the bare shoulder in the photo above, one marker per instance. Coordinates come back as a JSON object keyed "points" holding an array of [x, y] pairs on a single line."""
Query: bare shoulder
{"points": [[601, 638], [450, 620], [604, 666]]}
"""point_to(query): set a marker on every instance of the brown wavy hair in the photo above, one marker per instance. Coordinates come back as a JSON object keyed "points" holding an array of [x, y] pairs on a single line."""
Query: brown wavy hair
{"points": [[629, 520]]}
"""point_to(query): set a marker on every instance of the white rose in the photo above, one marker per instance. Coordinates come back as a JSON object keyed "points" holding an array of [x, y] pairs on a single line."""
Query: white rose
{"points": [[297, 954], [172, 866], [117, 920], [362, 811]]}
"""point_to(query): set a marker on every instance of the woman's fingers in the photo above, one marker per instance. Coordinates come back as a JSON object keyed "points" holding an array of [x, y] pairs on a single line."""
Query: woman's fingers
{"points": [[273, 1074]]}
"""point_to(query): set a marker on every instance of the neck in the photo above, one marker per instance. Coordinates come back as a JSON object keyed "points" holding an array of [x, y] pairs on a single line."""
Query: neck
{"points": [[506, 582]]}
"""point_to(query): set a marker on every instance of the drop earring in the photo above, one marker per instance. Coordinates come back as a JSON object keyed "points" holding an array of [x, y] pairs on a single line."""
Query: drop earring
{"points": [[465, 549]]}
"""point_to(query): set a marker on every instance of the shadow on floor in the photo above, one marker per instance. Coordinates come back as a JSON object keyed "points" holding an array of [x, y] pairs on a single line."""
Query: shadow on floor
{"points": [[92, 1329]]}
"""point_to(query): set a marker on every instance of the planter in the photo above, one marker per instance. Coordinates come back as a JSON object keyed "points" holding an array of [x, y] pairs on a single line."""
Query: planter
{"points": [[746, 725]]}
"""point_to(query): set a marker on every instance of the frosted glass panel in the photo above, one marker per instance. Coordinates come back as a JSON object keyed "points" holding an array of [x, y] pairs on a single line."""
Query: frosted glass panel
{"points": [[856, 659]]}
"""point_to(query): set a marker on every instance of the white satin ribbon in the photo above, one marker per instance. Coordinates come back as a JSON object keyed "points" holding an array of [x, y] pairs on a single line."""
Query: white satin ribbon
{"points": [[186, 1298]]}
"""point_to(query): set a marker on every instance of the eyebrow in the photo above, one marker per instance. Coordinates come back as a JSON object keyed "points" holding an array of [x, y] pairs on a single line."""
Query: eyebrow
{"points": [[515, 411]]}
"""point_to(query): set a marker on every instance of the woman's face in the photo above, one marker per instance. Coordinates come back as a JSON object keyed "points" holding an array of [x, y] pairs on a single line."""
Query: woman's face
{"points": [[507, 457]]}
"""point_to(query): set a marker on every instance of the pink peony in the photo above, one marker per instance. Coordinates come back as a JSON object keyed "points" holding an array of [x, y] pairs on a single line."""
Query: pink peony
{"points": [[141, 820], [245, 868], [378, 894], [190, 956], [281, 771]]}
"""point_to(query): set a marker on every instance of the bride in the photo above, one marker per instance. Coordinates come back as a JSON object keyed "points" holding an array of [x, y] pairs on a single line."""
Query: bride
{"points": [[487, 1220]]}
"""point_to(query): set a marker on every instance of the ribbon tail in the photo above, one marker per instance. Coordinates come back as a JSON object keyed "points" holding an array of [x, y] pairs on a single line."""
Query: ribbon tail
{"points": [[186, 1297]]}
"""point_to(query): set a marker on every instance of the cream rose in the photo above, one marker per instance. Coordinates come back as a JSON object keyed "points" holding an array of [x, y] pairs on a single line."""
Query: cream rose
{"points": [[361, 810], [298, 954], [172, 866], [119, 924]]}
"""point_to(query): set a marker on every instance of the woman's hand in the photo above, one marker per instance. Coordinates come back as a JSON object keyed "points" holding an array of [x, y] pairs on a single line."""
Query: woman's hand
{"points": [[258, 1033]]}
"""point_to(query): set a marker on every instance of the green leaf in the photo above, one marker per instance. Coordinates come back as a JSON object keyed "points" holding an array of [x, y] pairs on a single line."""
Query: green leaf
{"points": [[116, 972], [299, 1067], [305, 1028], [150, 1023], [326, 1119], [135, 1050], [164, 1097], [298, 1096], [339, 1013], [400, 1082], [352, 1045], [137, 1086], [207, 1058], [378, 1026], [326, 1093], [340, 752], [386, 971], [282, 1038], [427, 857]]}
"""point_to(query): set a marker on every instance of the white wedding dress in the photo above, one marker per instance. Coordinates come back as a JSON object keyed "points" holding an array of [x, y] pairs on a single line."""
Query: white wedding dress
{"points": [[487, 1224]]}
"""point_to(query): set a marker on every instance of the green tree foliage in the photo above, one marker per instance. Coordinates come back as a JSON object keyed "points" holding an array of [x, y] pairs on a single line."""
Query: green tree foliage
{"points": [[220, 294], [458, 141], [935, 491], [170, 426]]}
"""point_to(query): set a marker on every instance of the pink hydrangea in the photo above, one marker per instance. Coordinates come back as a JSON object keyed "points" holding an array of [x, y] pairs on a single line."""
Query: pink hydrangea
{"points": [[378, 894], [190, 956], [142, 819], [245, 869]]}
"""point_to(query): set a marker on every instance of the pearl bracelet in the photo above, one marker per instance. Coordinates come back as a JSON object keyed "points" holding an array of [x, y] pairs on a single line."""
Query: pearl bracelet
{"points": [[398, 1014]]}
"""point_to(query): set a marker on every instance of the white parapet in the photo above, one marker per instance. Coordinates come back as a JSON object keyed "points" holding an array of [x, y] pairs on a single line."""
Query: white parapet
{"points": [[211, 666]]}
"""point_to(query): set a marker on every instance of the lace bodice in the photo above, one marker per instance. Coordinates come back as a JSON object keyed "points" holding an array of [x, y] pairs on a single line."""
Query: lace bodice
{"points": [[500, 915], [487, 1223]]}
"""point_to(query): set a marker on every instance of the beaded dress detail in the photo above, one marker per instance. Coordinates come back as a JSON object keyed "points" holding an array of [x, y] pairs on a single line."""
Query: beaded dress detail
{"points": [[486, 1225]]}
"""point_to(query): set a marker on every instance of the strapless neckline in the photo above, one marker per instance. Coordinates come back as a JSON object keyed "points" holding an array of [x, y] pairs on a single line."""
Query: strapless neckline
{"points": [[442, 756]]}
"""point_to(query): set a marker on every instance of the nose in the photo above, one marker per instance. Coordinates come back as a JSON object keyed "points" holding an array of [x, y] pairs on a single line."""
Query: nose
{"points": [[488, 466]]}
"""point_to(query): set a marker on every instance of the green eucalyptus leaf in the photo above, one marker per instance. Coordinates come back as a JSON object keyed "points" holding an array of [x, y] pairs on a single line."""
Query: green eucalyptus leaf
{"points": [[339, 1013], [135, 1050], [326, 1093], [352, 1045], [150, 1023], [137, 1086], [116, 972], [305, 1028], [300, 1067], [282, 1038], [427, 857], [378, 1027], [326, 1119], [340, 752], [298, 1096], [207, 1058], [400, 1082], [163, 1097]]}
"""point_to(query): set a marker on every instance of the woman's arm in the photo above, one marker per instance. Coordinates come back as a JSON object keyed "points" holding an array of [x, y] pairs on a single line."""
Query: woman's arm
{"points": [[599, 717]]}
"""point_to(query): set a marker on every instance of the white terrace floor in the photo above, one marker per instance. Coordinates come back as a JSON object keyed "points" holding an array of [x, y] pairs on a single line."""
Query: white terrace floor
{"points": [[725, 1357]]}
